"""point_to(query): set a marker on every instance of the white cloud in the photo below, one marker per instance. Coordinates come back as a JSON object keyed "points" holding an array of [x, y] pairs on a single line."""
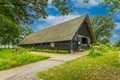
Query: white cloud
{"points": [[53, 20], [117, 14], [118, 26], [91, 3], [80, 3], [116, 36]]}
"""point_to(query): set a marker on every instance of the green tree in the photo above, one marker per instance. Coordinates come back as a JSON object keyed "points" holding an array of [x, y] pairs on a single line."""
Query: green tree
{"points": [[9, 31], [25, 31], [25, 11], [103, 27], [115, 5], [117, 44]]}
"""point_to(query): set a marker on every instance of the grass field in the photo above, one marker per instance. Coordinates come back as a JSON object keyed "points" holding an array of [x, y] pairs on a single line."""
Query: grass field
{"points": [[99, 64], [10, 58]]}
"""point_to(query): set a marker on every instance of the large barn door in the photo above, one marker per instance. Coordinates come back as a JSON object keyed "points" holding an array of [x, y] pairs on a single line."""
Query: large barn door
{"points": [[83, 42]]}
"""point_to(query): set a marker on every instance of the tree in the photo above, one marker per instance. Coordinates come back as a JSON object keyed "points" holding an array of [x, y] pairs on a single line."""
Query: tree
{"points": [[117, 44], [25, 31], [25, 11], [115, 5], [103, 27], [9, 31]]}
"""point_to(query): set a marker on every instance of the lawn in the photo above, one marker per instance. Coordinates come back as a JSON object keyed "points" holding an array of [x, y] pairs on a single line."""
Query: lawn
{"points": [[100, 64], [10, 58]]}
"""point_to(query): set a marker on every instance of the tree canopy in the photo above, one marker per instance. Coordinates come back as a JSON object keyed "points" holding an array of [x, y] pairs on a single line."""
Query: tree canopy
{"points": [[117, 44], [115, 5], [25, 11], [12, 33], [9, 31], [103, 27], [24, 31]]}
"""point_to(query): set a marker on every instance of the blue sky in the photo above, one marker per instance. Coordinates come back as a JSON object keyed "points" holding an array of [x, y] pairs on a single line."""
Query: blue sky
{"points": [[93, 8]]}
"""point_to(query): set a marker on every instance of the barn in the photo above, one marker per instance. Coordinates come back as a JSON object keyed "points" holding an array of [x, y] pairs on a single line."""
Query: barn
{"points": [[71, 35]]}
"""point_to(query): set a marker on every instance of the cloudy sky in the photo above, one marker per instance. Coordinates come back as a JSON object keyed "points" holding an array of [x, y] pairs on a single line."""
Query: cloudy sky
{"points": [[93, 8]]}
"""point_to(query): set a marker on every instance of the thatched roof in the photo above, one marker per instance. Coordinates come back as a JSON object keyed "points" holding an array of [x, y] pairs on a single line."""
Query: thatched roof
{"points": [[61, 32]]}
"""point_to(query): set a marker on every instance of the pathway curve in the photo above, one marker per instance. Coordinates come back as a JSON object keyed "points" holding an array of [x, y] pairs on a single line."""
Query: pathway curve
{"points": [[28, 72]]}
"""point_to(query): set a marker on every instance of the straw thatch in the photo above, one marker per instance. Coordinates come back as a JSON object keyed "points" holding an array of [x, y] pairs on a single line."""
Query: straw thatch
{"points": [[61, 32]]}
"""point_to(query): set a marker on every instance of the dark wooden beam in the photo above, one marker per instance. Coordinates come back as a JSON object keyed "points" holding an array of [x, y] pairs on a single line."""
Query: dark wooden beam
{"points": [[71, 46]]}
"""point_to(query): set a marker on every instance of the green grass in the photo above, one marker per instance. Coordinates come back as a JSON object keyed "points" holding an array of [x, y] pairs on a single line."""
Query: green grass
{"points": [[98, 65], [50, 51], [10, 58]]}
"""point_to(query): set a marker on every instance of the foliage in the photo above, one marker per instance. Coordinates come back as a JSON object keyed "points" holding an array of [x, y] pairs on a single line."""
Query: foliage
{"points": [[105, 67], [94, 53], [10, 58], [9, 31], [24, 32], [117, 44], [25, 11], [115, 5], [103, 27], [98, 49]]}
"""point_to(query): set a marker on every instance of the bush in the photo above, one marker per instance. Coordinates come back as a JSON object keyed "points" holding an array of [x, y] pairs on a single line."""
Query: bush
{"points": [[117, 44], [94, 53]]}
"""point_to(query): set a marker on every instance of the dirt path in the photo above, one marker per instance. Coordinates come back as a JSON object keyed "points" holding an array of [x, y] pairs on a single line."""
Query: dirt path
{"points": [[28, 72]]}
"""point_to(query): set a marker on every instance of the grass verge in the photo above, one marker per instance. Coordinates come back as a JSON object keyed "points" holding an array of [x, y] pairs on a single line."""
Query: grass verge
{"points": [[9, 58], [101, 66], [50, 51]]}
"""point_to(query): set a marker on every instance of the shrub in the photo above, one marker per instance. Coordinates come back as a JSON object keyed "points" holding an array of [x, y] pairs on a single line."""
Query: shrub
{"points": [[94, 53]]}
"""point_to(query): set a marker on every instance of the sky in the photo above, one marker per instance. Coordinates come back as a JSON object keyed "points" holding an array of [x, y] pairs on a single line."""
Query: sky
{"points": [[93, 8]]}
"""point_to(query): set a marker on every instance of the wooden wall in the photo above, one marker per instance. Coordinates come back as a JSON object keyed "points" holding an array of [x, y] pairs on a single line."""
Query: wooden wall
{"points": [[64, 45], [83, 30]]}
